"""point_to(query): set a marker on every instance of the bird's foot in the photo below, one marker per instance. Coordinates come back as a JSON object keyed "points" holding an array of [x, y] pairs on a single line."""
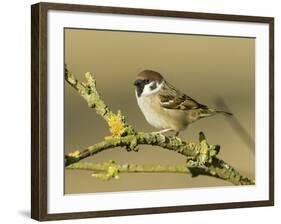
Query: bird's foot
{"points": [[162, 131]]}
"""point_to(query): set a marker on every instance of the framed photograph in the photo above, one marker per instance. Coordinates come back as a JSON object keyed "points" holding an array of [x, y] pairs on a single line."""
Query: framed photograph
{"points": [[140, 111]]}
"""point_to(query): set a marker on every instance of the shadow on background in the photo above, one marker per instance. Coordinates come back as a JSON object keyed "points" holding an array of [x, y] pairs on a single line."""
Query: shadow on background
{"points": [[236, 125], [24, 213]]}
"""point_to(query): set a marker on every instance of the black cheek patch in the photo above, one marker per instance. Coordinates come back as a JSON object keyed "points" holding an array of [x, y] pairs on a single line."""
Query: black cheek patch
{"points": [[153, 86], [139, 89]]}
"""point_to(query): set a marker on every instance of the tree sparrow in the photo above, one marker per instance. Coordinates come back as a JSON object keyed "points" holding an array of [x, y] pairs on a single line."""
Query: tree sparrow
{"points": [[164, 107]]}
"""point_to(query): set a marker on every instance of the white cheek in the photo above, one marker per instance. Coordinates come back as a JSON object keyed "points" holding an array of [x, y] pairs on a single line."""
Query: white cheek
{"points": [[147, 91]]}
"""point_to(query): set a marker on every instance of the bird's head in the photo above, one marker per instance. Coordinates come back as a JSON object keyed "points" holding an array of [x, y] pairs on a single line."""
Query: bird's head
{"points": [[148, 82]]}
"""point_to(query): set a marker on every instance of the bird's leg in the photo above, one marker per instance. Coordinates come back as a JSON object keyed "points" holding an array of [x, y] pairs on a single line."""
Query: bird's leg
{"points": [[162, 131], [177, 134]]}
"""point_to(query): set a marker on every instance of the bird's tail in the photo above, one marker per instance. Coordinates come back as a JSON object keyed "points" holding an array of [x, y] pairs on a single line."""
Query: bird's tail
{"points": [[223, 112], [210, 112]]}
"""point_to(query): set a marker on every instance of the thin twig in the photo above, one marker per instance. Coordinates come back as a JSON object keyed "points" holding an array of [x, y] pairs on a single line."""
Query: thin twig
{"points": [[111, 169]]}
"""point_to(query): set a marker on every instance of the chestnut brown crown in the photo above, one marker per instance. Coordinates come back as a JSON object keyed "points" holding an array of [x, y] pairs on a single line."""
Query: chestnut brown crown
{"points": [[150, 75]]}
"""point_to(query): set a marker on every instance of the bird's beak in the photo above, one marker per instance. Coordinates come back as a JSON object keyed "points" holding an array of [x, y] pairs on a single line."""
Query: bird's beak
{"points": [[137, 82]]}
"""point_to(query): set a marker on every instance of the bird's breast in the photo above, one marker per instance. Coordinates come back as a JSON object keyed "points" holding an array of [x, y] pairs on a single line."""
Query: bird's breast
{"points": [[159, 117]]}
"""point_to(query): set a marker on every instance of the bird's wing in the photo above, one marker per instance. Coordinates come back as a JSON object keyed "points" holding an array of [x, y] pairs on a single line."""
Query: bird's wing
{"points": [[171, 98]]}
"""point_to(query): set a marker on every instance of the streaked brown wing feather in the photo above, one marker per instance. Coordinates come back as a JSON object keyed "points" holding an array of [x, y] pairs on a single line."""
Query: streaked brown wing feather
{"points": [[171, 98]]}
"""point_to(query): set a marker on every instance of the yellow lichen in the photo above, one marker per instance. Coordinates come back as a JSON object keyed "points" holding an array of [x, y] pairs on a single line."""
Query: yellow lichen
{"points": [[111, 171], [108, 137], [116, 125], [74, 154]]}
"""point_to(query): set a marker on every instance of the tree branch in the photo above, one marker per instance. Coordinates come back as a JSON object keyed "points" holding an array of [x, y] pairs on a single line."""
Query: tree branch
{"points": [[111, 169], [88, 91], [201, 157], [199, 153]]}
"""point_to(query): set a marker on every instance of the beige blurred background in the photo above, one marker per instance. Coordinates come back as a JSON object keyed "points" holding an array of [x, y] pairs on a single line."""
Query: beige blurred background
{"points": [[216, 71]]}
